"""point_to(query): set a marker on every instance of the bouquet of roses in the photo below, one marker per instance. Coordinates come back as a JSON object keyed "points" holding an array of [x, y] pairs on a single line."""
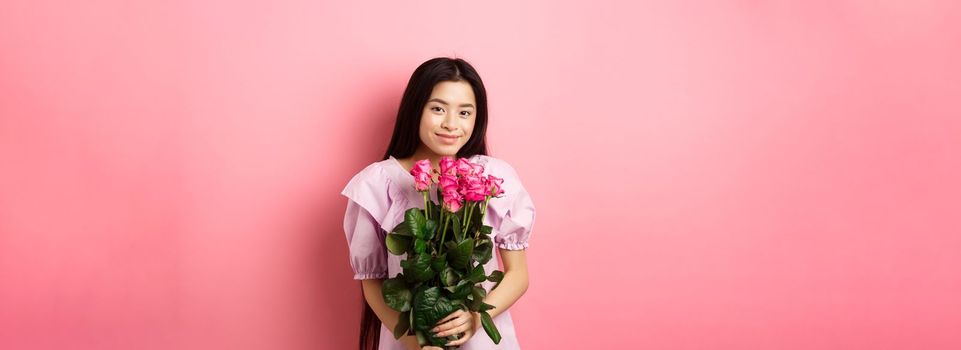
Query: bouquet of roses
{"points": [[447, 245]]}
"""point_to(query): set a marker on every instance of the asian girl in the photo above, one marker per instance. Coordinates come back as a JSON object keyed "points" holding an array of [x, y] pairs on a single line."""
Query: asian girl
{"points": [[443, 112]]}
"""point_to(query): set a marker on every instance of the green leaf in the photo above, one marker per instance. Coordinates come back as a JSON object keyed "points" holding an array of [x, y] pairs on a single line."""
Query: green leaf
{"points": [[416, 221], [412, 215], [396, 294], [497, 276], [449, 277], [454, 289], [490, 328], [483, 237], [429, 307], [477, 275], [405, 268], [458, 233], [484, 251], [459, 257], [430, 226], [439, 263], [419, 268], [403, 229], [420, 245], [398, 244], [486, 229], [478, 294], [403, 325], [485, 307], [463, 289]]}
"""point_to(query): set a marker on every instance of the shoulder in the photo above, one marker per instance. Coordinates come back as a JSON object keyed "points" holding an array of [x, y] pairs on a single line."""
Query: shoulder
{"points": [[516, 202], [371, 171], [501, 168], [372, 175], [497, 166]]}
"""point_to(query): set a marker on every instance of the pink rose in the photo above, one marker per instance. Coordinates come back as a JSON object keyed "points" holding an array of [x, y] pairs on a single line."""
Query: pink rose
{"points": [[447, 165], [422, 174], [494, 186], [452, 199], [477, 169], [464, 167], [422, 181], [447, 181], [472, 187]]}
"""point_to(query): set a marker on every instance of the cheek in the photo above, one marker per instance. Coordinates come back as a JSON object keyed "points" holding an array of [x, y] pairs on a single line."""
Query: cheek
{"points": [[469, 127], [426, 123], [430, 120]]}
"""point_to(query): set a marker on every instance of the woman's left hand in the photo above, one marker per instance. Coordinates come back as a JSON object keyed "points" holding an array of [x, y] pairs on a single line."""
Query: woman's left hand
{"points": [[459, 321]]}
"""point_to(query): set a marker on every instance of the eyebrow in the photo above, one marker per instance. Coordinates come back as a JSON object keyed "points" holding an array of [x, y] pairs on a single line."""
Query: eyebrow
{"points": [[445, 102]]}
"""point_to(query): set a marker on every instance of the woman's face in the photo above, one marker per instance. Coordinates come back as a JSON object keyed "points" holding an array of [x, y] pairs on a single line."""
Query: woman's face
{"points": [[447, 120]]}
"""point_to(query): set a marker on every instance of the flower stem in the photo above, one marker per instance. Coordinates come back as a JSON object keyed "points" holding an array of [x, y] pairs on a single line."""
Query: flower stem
{"points": [[470, 212], [484, 210], [444, 232]]}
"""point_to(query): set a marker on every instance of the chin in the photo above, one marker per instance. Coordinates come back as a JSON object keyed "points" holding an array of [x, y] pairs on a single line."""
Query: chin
{"points": [[449, 151]]}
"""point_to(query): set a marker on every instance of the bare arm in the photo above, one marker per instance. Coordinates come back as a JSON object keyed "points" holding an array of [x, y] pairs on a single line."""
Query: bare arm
{"points": [[511, 288], [387, 316]]}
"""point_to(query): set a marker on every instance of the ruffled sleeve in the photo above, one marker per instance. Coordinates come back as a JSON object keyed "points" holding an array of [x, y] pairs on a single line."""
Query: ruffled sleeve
{"points": [[367, 205], [514, 212]]}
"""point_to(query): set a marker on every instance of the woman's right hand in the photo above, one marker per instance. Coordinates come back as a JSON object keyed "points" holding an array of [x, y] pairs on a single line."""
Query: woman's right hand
{"points": [[429, 347]]}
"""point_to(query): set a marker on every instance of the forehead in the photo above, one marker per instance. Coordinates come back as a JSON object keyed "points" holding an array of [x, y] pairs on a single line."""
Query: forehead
{"points": [[453, 91]]}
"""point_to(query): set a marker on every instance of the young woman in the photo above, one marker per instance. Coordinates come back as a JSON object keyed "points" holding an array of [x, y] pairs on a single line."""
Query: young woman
{"points": [[443, 113]]}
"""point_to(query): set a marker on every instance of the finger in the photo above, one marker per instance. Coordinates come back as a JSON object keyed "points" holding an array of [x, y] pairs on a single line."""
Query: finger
{"points": [[447, 328], [450, 322], [451, 316], [463, 339], [460, 328]]}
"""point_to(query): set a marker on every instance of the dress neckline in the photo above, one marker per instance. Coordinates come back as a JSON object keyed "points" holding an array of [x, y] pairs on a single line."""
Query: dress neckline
{"points": [[401, 166]]}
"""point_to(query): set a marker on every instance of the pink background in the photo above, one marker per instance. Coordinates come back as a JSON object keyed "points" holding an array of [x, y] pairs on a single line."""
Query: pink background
{"points": [[708, 175]]}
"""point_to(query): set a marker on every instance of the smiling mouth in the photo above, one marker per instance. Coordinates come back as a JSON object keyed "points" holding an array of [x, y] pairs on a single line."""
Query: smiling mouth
{"points": [[448, 136]]}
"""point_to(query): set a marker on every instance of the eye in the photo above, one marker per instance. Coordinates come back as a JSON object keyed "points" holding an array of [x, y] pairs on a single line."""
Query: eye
{"points": [[435, 108], [465, 113]]}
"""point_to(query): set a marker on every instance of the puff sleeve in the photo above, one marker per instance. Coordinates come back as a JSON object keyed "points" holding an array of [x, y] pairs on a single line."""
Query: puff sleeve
{"points": [[516, 211], [366, 207]]}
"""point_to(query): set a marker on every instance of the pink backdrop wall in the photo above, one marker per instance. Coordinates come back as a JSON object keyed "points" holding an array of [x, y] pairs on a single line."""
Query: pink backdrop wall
{"points": [[708, 175]]}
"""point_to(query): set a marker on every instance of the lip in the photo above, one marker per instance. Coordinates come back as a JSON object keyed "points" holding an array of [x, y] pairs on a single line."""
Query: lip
{"points": [[448, 139]]}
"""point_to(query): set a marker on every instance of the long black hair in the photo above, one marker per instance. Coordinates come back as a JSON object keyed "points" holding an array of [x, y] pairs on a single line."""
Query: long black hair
{"points": [[406, 139]]}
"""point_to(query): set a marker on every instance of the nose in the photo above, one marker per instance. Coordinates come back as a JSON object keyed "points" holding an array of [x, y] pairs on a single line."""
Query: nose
{"points": [[448, 122]]}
